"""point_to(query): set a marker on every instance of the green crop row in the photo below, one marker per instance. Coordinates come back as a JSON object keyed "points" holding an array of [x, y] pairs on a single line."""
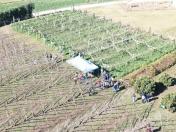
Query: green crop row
{"points": [[120, 49]]}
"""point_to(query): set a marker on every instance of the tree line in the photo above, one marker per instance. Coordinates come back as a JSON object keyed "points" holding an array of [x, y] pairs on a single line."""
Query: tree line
{"points": [[16, 14]]}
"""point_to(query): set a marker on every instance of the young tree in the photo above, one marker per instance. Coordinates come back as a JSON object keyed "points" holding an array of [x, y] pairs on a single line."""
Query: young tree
{"points": [[145, 85]]}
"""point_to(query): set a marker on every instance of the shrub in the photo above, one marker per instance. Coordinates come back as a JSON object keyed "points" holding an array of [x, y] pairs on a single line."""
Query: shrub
{"points": [[145, 85], [167, 80], [169, 102], [152, 71]]}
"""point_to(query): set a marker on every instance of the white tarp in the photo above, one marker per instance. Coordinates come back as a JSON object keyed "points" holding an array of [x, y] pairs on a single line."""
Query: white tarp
{"points": [[81, 64]]}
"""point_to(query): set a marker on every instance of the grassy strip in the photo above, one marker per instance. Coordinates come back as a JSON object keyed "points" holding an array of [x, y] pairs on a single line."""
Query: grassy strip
{"points": [[42, 5], [154, 68]]}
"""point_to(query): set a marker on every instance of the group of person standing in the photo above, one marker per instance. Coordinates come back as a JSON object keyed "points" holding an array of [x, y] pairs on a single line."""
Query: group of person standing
{"points": [[109, 81], [53, 58], [105, 81], [145, 98]]}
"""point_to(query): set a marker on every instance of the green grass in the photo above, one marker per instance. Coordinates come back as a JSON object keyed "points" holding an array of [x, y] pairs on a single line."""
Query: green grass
{"points": [[8, 6], [42, 5], [100, 40]]}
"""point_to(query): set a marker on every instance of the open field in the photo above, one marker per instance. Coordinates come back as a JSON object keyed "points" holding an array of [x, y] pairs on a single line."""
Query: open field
{"points": [[160, 21], [38, 94], [110, 45]]}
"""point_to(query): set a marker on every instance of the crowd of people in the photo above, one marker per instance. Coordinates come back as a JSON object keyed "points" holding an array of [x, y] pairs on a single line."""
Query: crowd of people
{"points": [[107, 81]]}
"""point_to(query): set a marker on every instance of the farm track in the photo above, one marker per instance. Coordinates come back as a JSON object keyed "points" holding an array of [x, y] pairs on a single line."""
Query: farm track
{"points": [[76, 7]]}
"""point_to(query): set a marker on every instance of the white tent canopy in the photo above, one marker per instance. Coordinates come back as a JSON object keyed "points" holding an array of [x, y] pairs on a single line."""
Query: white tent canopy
{"points": [[81, 64]]}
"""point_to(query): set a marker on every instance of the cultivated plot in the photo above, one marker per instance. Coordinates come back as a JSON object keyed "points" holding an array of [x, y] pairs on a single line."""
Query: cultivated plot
{"points": [[120, 49]]}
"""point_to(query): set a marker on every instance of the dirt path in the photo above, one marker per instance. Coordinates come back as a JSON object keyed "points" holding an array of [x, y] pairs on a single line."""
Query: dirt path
{"points": [[78, 7]]}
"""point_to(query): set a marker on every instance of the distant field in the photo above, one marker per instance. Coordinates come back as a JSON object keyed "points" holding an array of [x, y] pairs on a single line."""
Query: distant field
{"points": [[160, 21], [11, 5], [120, 49], [9, 1], [41, 5]]}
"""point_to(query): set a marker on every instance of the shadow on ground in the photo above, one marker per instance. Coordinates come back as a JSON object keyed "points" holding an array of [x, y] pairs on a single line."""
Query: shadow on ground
{"points": [[159, 88]]}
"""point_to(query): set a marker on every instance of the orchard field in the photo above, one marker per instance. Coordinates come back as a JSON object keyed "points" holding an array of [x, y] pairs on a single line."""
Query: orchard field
{"points": [[38, 94], [110, 45]]}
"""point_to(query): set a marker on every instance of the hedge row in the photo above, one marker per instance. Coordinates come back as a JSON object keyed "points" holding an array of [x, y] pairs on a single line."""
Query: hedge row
{"points": [[145, 85], [148, 86], [154, 69], [21, 13], [167, 80], [169, 102]]}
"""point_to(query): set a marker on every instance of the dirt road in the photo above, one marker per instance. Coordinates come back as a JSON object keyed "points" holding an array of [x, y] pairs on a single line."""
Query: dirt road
{"points": [[78, 7]]}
